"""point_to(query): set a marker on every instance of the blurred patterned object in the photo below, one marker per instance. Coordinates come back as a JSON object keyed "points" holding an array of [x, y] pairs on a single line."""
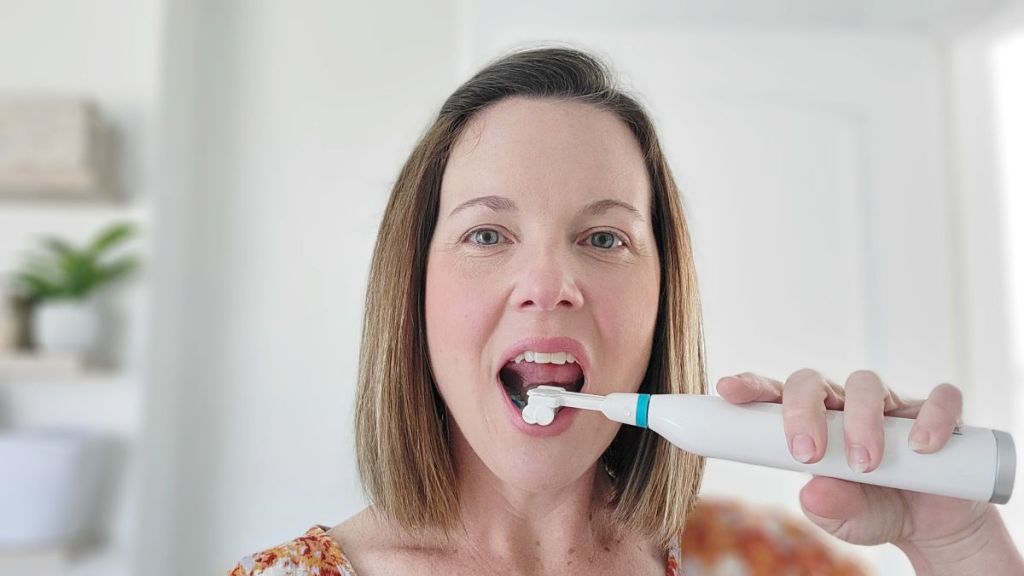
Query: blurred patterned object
{"points": [[726, 537]]}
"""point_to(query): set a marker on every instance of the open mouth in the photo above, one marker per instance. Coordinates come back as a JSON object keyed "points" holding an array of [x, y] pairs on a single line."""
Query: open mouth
{"points": [[530, 370]]}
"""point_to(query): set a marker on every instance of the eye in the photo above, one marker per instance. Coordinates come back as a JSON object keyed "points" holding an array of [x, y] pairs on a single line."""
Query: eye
{"points": [[605, 240], [485, 236]]}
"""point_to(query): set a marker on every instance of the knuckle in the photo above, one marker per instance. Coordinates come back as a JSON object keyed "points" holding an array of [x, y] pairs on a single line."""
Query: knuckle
{"points": [[864, 375], [949, 392], [803, 374], [944, 404], [747, 375], [838, 391], [865, 382], [797, 391]]}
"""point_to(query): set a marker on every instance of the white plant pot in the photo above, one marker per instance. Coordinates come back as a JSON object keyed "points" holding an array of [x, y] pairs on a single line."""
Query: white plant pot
{"points": [[49, 487], [65, 326]]}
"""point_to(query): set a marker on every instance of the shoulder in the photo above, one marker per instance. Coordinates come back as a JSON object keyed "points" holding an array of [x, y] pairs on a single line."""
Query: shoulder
{"points": [[723, 536], [314, 553]]}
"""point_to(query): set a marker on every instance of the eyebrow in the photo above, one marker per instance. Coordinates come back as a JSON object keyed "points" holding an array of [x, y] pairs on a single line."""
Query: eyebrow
{"points": [[501, 203], [496, 203], [602, 206]]}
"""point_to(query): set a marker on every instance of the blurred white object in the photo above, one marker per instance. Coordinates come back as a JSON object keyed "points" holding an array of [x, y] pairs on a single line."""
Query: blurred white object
{"points": [[52, 146], [64, 326], [50, 486]]}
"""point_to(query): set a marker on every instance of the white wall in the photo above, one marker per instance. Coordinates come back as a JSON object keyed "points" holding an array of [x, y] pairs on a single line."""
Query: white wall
{"points": [[288, 130]]}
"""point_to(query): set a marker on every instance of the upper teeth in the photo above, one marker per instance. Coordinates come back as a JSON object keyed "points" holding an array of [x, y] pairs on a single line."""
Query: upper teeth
{"points": [[545, 357]]}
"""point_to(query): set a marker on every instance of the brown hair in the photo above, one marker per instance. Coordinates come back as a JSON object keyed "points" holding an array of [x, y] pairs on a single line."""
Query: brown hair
{"points": [[402, 447]]}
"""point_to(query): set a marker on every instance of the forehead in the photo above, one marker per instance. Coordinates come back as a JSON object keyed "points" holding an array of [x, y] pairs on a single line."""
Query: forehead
{"points": [[545, 150]]}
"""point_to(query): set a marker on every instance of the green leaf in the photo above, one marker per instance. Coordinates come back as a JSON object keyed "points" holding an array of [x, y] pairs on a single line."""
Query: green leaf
{"points": [[36, 286], [40, 267], [110, 237], [71, 270], [61, 270], [116, 269]]}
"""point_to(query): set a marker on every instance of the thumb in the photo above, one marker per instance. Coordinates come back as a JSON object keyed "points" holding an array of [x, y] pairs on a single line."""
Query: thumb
{"points": [[856, 513]]}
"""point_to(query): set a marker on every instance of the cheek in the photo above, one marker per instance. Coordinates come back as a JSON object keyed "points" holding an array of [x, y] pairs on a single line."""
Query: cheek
{"points": [[626, 310], [628, 303], [458, 311]]}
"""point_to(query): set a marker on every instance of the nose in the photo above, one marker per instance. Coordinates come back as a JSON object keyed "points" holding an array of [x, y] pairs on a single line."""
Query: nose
{"points": [[546, 283]]}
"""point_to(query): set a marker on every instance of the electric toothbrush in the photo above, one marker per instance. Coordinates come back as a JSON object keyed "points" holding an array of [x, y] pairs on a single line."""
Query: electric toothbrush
{"points": [[976, 463]]}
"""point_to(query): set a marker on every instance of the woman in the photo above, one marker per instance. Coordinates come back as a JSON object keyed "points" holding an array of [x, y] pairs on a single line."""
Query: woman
{"points": [[535, 236]]}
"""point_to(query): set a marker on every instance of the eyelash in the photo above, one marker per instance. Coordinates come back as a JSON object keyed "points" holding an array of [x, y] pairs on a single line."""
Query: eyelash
{"points": [[620, 241]]}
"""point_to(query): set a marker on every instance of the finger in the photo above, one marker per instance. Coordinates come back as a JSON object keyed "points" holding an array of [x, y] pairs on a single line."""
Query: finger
{"points": [[905, 408], [749, 387], [836, 396], [867, 399], [895, 405], [937, 418], [803, 414]]}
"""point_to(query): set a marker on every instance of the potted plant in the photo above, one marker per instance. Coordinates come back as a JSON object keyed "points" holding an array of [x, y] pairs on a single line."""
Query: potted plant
{"points": [[60, 281]]}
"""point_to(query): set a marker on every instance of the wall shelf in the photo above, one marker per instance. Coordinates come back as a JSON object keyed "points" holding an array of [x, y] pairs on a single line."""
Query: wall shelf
{"points": [[20, 365], [60, 391]]}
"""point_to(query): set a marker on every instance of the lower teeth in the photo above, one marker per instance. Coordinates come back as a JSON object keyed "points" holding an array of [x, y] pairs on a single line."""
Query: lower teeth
{"points": [[517, 398]]}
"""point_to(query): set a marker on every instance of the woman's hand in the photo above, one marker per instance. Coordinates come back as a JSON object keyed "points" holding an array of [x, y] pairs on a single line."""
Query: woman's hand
{"points": [[862, 513]]}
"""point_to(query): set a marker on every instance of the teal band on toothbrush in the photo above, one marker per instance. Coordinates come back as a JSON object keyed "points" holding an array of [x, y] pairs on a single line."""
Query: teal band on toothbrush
{"points": [[643, 401]]}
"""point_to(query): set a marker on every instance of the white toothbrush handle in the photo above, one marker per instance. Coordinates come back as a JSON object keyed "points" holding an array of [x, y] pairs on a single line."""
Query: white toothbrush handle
{"points": [[976, 463]]}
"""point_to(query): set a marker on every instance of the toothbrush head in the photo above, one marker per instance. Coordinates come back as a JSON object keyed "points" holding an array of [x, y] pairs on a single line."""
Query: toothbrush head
{"points": [[543, 403]]}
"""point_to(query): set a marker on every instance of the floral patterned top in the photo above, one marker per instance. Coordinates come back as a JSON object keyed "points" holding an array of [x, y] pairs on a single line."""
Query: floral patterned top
{"points": [[721, 538]]}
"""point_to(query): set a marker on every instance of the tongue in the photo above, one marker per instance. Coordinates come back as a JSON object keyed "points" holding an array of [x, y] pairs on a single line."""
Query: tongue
{"points": [[527, 375]]}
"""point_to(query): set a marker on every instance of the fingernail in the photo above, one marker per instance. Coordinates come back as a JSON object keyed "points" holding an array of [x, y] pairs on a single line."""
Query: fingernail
{"points": [[803, 447], [919, 439], [858, 458]]}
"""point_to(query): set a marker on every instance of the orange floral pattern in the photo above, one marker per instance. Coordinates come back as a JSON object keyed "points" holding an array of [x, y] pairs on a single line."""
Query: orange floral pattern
{"points": [[721, 538], [728, 537], [313, 554]]}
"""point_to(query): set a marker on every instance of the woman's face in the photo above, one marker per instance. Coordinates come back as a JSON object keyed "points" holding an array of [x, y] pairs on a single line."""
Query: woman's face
{"points": [[543, 244]]}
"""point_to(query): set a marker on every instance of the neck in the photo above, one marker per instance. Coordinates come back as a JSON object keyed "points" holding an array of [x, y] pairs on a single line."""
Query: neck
{"points": [[536, 530]]}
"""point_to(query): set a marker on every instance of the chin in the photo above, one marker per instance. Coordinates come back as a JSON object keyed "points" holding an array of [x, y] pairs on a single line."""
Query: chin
{"points": [[541, 480], [539, 470]]}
